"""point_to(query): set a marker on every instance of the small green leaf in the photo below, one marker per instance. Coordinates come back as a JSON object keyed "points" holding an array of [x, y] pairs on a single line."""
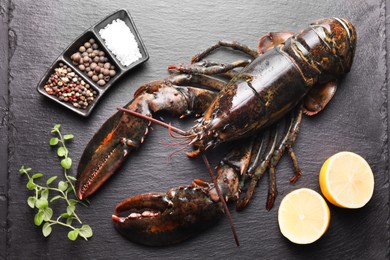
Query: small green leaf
{"points": [[72, 178], [47, 214], [55, 128], [61, 151], [41, 203], [70, 210], [38, 218], [51, 179], [62, 185], [37, 175], [46, 229], [45, 193], [55, 198], [24, 170], [69, 221], [86, 231], [72, 235], [31, 185], [68, 137], [65, 215], [31, 201], [53, 141], [73, 202], [66, 163]]}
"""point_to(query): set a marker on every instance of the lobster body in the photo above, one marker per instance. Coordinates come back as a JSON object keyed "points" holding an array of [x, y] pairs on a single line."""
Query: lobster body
{"points": [[294, 69], [269, 87], [275, 82]]}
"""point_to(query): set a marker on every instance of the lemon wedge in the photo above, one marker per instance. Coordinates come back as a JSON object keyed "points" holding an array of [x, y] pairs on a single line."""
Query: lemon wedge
{"points": [[346, 180], [303, 216]]}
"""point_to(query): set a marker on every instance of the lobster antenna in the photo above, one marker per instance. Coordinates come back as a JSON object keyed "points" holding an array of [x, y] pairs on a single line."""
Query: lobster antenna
{"points": [[221, 198], [151, 119]]}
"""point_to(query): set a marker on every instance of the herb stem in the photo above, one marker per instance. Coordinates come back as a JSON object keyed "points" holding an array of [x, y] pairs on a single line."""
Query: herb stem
{"points": [[66, 156], [40, 199], [60, 223]]}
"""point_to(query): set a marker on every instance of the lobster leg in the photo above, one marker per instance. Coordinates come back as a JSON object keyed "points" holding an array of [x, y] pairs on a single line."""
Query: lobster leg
{"points": [[260, 169], [261, 161], [234, 45], [208, 70], [266, 42], [229, 74], [286, 143], [179, 80]]}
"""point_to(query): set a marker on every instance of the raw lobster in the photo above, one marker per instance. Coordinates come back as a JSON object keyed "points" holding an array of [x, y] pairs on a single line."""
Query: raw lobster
{"points": [[290, 74]]}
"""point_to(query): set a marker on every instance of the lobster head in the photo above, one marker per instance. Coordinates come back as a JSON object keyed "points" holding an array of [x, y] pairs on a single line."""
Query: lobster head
{"points": [[339, 36]]}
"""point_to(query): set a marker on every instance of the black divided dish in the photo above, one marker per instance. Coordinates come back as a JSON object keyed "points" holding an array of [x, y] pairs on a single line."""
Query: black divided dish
{"points": [[93, 32]]}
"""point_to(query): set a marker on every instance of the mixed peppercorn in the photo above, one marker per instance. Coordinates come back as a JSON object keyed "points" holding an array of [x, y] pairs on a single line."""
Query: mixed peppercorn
{"points": [[65, 84]]}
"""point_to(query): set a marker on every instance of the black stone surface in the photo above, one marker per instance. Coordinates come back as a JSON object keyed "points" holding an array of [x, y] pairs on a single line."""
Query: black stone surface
{"points": [[33, 33]]}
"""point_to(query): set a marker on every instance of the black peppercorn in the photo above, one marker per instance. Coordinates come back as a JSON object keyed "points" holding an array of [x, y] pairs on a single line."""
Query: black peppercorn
{"points": [[94, 63]]}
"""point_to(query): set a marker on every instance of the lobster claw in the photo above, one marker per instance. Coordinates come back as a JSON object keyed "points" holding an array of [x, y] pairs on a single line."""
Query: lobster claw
{"points": [[106, 151], [158, 219]]}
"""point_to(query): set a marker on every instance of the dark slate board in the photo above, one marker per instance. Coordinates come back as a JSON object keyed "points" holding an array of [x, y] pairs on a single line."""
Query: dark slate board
{"points": [[355, 120]]}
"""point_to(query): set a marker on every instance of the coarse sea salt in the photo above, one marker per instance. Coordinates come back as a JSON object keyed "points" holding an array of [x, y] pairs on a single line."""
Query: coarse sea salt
{"points": [[121, 42]]}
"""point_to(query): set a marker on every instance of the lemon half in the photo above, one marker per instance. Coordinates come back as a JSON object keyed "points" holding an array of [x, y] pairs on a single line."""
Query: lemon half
{"points": [[303, 216], [346, 180]]}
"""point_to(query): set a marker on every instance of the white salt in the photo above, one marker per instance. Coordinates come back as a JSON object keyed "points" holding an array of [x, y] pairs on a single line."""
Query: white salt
{"points": [[121, 42]]}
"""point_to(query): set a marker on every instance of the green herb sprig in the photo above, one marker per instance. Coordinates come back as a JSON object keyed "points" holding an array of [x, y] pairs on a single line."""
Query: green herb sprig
{"points": [[64, 190]]}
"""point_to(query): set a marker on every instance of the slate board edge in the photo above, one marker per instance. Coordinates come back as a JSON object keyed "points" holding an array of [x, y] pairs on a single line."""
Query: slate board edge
{"points": [[5, 114], [386, 122], [4, 126]]}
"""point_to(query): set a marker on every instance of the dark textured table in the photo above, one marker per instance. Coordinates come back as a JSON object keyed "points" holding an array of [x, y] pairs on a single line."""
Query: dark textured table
{"points": [[34, 33]]}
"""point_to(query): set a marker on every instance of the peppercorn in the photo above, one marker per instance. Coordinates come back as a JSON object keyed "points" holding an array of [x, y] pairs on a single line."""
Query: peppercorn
{"points": [[67, 86], [107, 65], [101, 82], [93, 62], [86, 58], [76, 57]]}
